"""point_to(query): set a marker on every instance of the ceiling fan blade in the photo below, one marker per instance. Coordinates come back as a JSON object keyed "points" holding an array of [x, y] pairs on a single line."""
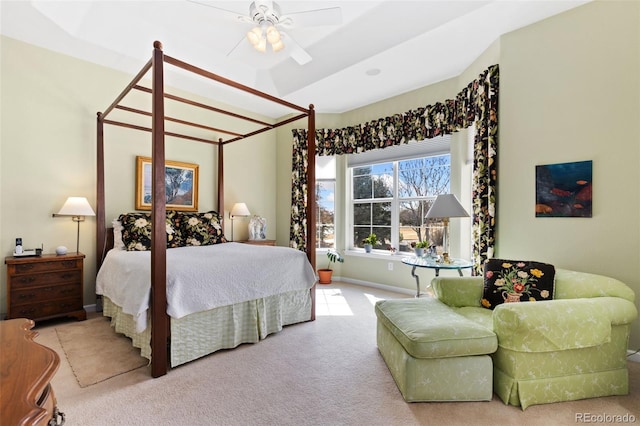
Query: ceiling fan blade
{"points": [[296, 51], [229, 14], [314, 18], [235, 47]]}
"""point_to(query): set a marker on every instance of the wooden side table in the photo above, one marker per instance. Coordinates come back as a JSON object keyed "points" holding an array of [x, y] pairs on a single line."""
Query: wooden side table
{"points": [[26, 368], [259, 242], [46, 286]]}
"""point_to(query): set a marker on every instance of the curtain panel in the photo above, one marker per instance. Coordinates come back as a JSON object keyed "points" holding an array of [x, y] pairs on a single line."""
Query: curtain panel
{"points": [[476, 104]]}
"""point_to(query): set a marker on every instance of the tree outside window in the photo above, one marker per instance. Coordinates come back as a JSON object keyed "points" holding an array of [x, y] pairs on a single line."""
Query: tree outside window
{"points": [[392, 199], [325, 202], [325, 213]]}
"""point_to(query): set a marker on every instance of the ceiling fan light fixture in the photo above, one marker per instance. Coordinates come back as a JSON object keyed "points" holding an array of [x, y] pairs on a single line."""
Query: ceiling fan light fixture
{"points": [[277, 46], [262, 45], [273, 35], [255, 36]]}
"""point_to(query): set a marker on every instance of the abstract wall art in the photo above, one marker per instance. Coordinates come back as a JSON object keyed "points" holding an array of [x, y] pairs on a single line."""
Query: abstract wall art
{"points": [[564, 189]]}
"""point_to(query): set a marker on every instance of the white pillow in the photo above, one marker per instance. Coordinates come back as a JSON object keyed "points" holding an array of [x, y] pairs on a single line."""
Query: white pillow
{"points": [[117, 235]]}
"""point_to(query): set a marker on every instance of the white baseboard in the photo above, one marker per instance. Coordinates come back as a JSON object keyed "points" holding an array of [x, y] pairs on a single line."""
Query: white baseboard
{"points": [[633, 356]]}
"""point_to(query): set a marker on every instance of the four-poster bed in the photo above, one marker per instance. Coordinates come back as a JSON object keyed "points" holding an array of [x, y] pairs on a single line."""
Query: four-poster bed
{"points": [[159, 319]]}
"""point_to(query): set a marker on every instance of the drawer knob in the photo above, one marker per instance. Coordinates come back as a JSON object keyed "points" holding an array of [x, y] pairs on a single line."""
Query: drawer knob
{"points": [[27, 312], [24, 268], [23, 296]]}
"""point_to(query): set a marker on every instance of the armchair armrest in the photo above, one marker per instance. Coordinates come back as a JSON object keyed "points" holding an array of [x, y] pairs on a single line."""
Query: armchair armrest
{"points": [[573, 284], [458, 291], [560, 324]]}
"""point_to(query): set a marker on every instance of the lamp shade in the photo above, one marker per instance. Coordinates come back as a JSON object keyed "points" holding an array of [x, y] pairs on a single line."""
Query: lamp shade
{"points": [[446, 205], [239, 209], [76, 206]]}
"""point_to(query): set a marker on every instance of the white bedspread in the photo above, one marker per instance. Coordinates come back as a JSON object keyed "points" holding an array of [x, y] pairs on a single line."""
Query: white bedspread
{"points": [[202, 278]]}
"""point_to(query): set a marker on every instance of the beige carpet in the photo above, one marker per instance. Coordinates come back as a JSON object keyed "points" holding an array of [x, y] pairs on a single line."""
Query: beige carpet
{"points": [[327, 372], [95, 352]]}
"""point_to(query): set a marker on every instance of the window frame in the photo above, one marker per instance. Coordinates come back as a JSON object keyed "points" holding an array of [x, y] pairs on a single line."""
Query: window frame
{"points": [[324, 176], [394, 201]]}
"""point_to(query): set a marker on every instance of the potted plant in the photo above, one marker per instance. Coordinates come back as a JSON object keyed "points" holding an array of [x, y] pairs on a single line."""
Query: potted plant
{"points": [[419, 247], [369, 242], [324, 275]]}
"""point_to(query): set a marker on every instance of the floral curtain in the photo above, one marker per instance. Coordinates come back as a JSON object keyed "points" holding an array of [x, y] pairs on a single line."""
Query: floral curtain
{"points": [[477, 103]]}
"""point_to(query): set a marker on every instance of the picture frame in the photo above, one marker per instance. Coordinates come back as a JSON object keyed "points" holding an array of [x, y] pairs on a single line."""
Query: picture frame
{"points": [[564, 189], [181, 180]]}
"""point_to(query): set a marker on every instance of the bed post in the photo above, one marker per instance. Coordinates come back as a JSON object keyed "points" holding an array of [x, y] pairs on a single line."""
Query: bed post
{"points": [[311, 200], [100, 201], [159, 321], [221, 180], [311, 193]]}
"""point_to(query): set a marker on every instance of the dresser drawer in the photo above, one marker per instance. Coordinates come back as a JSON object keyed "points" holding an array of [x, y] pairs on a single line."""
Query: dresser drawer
{"points": [[42, 294], [35, 267], [46, 309], [37, 280], [45, 286]]}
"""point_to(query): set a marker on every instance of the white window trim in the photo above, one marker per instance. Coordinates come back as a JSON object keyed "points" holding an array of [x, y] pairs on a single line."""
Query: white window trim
{"points": [[428, 147]]}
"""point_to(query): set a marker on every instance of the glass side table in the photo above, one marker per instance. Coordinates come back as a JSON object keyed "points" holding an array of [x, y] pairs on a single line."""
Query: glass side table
{"points": [[427, 262]]}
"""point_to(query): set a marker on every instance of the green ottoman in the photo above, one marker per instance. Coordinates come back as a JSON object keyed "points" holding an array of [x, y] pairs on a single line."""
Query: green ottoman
{"points": [[434, 353]]}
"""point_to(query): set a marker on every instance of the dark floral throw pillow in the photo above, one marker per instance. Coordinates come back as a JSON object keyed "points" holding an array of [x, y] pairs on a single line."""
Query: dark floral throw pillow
{"points": [[136, 231], [201, 229], [507, 281]]}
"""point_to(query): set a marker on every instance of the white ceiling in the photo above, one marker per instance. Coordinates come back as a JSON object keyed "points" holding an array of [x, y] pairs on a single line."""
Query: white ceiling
{"points": [[411, 43]]}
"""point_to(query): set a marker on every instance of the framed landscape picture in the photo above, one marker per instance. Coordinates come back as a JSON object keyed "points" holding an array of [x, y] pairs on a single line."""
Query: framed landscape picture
{"points": [[564, 189], [181, 180]]}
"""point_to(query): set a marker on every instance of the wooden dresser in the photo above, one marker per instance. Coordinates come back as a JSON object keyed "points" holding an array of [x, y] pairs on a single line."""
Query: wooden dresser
{"points": [[46, 286], [26, 370]]}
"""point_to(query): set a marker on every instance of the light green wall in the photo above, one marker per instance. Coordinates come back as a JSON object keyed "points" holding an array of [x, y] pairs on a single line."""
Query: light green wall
{"points": [[49, 103], [373, 268], [569, 91]]}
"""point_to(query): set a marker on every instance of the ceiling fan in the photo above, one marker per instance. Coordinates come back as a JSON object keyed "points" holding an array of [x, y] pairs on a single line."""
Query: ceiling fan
{"points": [[269, 26]]}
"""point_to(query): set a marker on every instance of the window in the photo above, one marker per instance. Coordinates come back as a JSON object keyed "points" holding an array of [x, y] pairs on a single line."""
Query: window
{"points": [[392, 198], [325, 202]]}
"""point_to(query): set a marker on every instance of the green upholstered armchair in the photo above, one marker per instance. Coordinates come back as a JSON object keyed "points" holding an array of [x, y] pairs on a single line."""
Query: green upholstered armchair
{"points": [[569, 348]]}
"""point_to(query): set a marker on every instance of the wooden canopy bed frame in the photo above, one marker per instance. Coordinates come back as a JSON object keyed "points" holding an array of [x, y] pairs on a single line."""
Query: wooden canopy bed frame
{"points": [[159, 318]]}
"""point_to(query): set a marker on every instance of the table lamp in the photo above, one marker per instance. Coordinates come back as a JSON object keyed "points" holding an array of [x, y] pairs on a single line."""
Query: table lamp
{"points": [[77, 208], [238, 210], [444, 207]]}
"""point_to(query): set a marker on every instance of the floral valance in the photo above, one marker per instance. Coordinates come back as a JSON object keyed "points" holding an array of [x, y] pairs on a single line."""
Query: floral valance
{"points": [[476, 103]]}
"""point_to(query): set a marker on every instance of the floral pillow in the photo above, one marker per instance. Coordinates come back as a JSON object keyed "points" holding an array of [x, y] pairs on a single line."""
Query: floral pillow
{"points": [[507, 281], [201, 229], [136, 231]]}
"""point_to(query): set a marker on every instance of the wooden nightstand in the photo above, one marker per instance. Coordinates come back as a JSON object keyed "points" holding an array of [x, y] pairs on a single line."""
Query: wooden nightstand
{"points": [[259, 242], [47, 286]]}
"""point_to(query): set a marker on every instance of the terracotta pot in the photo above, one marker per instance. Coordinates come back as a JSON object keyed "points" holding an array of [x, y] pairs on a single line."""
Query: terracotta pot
{"points": [[324, 276]]}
